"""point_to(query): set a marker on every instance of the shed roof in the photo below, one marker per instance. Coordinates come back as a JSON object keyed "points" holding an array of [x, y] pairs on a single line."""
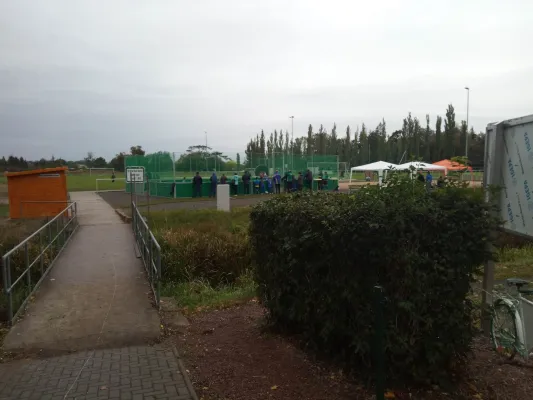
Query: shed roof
{"points": [[36, 171]]}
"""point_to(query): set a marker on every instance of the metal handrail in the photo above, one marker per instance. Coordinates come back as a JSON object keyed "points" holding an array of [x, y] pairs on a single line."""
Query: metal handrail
{"points": [[150, 251], [61, 236]]}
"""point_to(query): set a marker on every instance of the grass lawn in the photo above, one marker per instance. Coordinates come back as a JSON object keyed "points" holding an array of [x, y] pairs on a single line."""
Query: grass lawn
{"points": [[4, 210], [514, 263], [236, 221], [77, 183]]}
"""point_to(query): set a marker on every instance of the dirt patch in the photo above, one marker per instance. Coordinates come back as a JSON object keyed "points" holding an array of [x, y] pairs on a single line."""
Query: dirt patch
{"points": [[229, 356]]}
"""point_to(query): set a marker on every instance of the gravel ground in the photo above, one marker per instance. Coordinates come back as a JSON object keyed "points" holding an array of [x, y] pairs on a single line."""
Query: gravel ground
{"points": [[231, 357], [123, 199]]}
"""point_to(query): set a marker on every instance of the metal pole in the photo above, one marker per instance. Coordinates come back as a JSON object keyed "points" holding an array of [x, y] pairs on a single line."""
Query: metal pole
{"points": [[379, 360], [467, 112], [292, 141]]}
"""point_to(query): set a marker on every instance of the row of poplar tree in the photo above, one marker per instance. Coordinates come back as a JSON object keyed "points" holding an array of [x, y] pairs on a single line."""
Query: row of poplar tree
{"points": [[427, 140]]}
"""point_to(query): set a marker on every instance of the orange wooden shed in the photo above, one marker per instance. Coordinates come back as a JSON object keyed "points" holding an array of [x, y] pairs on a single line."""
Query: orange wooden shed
{"points": [[37, 193]]}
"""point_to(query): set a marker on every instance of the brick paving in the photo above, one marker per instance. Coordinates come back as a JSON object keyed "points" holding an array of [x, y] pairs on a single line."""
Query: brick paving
{"points": [[142, 372]]}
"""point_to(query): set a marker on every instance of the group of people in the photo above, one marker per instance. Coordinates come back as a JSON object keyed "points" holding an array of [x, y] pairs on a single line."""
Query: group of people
{"points": [[428, 180], [260, 184]]}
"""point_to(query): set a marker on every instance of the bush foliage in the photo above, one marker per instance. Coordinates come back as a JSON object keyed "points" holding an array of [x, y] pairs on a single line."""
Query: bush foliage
{"points": [[327, 252]]}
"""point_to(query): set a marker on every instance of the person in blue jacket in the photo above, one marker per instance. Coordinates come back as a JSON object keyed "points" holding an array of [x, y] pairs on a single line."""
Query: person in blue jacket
{"points": [[269, 185], [262, 183], [257, 185]]}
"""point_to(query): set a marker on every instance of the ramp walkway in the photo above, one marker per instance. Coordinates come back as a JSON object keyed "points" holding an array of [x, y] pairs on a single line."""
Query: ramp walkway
{"points": [[96, 296]]}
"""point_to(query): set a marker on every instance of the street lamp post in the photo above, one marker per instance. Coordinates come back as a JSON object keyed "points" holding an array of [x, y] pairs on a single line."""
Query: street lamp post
{"points": [[467, 111]]}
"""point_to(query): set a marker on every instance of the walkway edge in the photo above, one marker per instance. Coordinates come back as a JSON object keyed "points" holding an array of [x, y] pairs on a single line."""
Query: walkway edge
{"points": [[185, 375]]}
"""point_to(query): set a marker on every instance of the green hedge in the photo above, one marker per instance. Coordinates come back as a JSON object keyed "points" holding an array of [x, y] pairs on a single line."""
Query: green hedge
{"points": [[327, 251]]}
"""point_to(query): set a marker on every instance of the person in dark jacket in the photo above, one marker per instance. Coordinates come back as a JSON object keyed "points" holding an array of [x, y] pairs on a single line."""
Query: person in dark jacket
{"points": [[223, 179], [309, 179], [285, 183], [300, 182], [214, 181], [290, 179], [277, 182], [172, 189], [197, 185], [246, 182], [440, 182]]}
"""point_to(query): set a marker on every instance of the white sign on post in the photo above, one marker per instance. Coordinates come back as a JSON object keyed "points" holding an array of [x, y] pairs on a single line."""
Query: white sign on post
{"points": [[135, 175]]}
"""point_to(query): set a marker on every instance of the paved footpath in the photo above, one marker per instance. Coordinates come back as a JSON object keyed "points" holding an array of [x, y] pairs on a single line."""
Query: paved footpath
{"points": [[127, 373], [93, 318]]}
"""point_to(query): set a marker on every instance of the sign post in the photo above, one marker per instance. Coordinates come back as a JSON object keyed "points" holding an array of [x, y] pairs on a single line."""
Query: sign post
{"points": [[134, 175]]}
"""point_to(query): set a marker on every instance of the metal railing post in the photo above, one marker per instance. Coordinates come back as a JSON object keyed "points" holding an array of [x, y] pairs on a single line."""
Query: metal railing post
{"points": [[6, 275], [150, 259], [27, 263], [158, 292], [41, 248]]}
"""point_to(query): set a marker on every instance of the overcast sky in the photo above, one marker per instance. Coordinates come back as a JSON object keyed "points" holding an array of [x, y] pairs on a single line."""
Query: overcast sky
{"points": [[78, 76]]}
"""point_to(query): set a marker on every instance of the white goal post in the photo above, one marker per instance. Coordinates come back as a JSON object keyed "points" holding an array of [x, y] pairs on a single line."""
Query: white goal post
{"points": [[107, 179]]}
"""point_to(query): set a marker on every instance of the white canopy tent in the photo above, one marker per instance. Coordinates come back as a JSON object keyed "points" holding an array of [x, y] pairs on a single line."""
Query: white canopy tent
{"points": [[381, 167], [421, 166]]}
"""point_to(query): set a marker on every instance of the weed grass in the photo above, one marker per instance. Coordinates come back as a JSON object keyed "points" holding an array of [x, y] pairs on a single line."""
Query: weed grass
{"points": [[197, 295]]}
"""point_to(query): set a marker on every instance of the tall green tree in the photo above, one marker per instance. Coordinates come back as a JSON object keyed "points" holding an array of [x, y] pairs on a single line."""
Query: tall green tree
{"points": [[310, 139], [321, 140], [364, 148], [417, 133], [450, 131], [137, 151], [462, 137], [347, 147], [355, 153], [427, 145], [262, 145], [333, 145], [438, 139]]}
